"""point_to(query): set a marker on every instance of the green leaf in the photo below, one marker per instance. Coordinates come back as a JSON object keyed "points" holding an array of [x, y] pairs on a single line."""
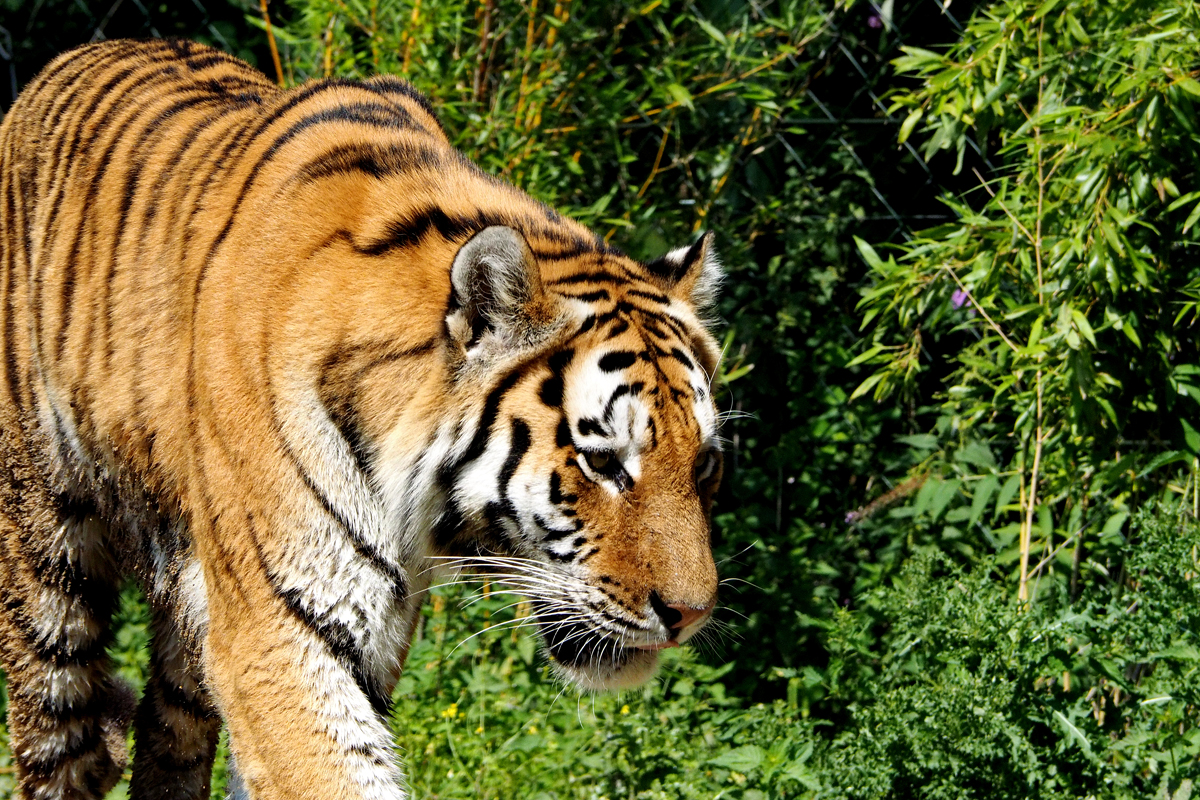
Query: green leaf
{"points": [[867, 385], [915, 58], [944, 492], [1113, 524], [1035, 332], [869, 255], [983, 492], [1191, 218], [1076, 29], [681, 95], [867, 356], [1178, 652], [1007, 492], [909, 123], [1073, 734], [1189, 85], [1084, 328], [743, 759], [977, 454], [919, 441], [1183, 201], [711, 30], [802, 775], [1045, 8], [1131, 334], [1191, 436]]}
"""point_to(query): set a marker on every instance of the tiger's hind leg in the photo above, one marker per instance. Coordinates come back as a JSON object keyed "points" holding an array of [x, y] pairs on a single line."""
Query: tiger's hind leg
{"points": [[67, 716], [175, 733]]}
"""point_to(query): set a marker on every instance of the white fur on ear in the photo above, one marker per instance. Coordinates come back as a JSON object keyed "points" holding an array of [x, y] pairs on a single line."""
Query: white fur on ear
{"points": [[494, 279], [692, 273]]}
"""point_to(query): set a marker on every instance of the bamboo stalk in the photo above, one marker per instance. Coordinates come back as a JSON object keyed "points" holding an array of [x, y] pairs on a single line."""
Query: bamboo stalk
{"points": [[271, 43], [657, 160], [410, 38], [485, 31], [1027, 527], [329, 45]]}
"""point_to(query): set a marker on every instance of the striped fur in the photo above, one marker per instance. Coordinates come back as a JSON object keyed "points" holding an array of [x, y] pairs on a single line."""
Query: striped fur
{"points": [[277, 353]]}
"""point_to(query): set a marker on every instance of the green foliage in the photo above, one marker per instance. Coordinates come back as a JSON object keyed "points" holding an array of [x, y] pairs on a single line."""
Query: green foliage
{"points": [[977, 695], [1064, 292], [482, 716]]}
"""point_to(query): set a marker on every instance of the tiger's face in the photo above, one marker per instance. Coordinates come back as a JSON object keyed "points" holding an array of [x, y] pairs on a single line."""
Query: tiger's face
{"points": [[593, 493]]}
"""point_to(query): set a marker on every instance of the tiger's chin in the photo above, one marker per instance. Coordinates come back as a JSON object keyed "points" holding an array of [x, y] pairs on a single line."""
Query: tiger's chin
{"points": [[593, 661], [627, 668]]}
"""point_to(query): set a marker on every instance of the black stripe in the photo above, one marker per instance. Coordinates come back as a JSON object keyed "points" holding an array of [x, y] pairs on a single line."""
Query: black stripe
{"points": [[362, 548], [598, 276], [377, 161], [652, 296], [617, 360], [618, 393], [336, 636], [587, 426], [340, 407], [619, 326], [100, 168], [682, 358], [552, 534], [409, 230], [589, 297], [389, 84], [562, 434], [519, 443], [491, 408], [88, 739], [556, 495], [340, 641]]}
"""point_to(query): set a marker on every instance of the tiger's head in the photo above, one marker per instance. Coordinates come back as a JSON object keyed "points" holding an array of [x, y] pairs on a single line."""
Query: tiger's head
{"points": [[588, 478]]}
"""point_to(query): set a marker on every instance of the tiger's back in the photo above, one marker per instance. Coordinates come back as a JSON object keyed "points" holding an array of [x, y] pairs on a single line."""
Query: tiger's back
{"points": [[271, 351]]}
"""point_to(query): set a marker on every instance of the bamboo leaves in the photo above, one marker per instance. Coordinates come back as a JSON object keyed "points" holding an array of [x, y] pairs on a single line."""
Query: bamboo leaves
{"points": [[1077, 256]]}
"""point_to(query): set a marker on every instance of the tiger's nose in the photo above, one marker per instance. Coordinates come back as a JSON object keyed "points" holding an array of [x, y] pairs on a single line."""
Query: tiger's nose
{"points": [[677, 616]]}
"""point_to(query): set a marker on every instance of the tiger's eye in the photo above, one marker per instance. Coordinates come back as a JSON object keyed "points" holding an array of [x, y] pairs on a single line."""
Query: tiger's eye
{"points": [[599, 461]]}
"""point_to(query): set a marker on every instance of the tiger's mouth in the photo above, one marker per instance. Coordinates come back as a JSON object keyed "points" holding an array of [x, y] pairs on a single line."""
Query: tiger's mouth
{"points": [[593, 658]]}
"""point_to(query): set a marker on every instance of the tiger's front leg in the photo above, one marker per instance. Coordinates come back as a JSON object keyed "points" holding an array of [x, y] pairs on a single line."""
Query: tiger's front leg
{"points": [[305, 710]]}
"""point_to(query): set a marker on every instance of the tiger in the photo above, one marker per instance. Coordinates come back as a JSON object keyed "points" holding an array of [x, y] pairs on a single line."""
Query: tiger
{"points": [[273, 354]]}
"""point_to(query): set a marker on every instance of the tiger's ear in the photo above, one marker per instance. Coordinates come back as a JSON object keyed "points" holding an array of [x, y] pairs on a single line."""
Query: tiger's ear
{"points": [[691, 274], [495, 288]]}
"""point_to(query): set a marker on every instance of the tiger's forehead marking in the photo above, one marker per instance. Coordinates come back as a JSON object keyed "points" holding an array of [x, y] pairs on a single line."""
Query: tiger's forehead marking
{"points": [[632, 374]]}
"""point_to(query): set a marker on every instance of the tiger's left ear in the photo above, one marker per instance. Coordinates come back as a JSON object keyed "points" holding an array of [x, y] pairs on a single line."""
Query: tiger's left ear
{"points": [[496, 288], [691, 274]]}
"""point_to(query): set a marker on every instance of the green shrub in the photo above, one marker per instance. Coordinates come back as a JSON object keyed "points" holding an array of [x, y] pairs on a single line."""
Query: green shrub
{"points": [[978, 695], [1064, 294]]}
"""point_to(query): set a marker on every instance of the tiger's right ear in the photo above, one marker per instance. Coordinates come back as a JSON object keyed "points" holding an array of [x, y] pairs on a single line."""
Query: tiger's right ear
{"points": [[691, 274], [495, 291]]}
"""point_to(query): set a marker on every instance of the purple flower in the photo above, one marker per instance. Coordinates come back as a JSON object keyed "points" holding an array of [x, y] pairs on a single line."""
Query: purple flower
{"points": [[959, 298], [874, 21]]}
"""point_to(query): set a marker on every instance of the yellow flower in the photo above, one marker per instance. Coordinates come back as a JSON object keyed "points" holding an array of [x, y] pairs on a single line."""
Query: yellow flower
{"points": [[479, 729], [533, 728], [624, 709], [451, 712]]}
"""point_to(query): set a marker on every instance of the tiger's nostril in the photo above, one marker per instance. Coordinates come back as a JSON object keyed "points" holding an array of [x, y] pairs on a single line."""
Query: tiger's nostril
{"points": [[669, 614], [676, 616]]}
